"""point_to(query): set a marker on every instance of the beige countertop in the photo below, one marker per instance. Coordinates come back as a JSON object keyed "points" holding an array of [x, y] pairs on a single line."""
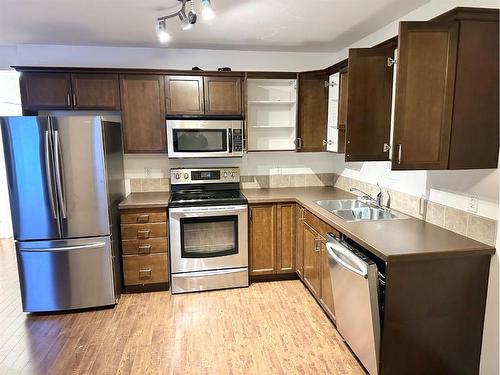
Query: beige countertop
{"points": [[145, 200], [393, 240]]}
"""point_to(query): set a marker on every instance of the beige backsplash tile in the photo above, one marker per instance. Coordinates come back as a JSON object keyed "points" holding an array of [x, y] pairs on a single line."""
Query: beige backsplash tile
{"points": [[298, 180], [313, 180], [456, 220], [482, 229], [136, 185], [435, 214], [279, 181]]}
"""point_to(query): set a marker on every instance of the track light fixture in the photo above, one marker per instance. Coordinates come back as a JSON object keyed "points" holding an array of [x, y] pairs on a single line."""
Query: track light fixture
{"points": [[187, 19]]}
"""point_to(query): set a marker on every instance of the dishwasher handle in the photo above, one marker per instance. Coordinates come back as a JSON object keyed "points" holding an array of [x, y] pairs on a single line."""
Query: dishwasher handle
{"points": [[335, 248]]}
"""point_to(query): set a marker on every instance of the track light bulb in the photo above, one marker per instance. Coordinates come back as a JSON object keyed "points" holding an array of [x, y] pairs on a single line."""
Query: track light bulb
{"points": [[161, 32], [207, 12]]}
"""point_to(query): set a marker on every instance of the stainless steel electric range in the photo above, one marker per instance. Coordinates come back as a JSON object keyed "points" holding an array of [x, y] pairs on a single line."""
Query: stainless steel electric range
{"points": [[208, 220]]}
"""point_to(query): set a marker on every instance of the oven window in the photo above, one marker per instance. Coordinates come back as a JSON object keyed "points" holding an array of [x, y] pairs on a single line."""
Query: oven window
{"points": [[205, 237], [199, 140]]}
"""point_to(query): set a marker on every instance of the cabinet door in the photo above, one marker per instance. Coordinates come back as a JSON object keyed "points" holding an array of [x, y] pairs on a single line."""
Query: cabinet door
{"points": [[222, 95], [299, 258], [369, 100], [313, 108], [184, 95], [143, 113], [326, 282], [285, 245], [311, 260], [96, 91], [41, 91], [424, 94], [262, 240], [343, 90]]}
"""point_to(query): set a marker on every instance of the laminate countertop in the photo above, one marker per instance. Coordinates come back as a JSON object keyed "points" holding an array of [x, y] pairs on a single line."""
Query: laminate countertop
{"points": [[390, 240], [146, 200]]}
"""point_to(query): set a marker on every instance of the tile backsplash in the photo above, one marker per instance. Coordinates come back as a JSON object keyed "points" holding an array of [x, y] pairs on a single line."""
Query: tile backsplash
{"points": [[465, 223], [462, 222]]}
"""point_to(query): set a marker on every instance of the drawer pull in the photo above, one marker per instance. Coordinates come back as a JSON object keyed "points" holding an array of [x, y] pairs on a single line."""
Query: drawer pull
{"points": [[145, 273], [144, 249], [143, 234], [143, 219]]}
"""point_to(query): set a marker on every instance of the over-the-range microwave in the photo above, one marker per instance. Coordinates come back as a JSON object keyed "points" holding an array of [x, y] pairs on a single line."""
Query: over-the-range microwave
{"points": [[204, 138]]}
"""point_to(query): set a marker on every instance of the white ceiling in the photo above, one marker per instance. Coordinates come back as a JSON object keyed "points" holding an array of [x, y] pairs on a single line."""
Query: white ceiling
{"points": [[281, 25]]}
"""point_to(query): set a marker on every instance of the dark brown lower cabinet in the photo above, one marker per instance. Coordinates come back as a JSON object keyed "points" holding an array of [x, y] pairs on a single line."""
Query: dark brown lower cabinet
{"points": [[272, 239]]}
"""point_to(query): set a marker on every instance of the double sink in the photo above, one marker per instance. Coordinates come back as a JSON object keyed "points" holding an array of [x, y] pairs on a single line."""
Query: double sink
{"points": [[359, 210]]}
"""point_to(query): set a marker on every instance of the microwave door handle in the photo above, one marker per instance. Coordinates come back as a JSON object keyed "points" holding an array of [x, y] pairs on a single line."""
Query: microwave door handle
{"points": [[230, 140]]}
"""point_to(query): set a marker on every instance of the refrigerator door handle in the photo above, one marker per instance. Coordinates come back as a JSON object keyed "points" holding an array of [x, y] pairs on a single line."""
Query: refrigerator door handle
{"points": [[48, 171], [66, 248], [59, 181]]}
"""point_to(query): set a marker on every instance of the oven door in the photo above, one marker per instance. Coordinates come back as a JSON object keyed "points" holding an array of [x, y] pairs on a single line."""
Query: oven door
{"points": [[201, 138], [208, 238]]}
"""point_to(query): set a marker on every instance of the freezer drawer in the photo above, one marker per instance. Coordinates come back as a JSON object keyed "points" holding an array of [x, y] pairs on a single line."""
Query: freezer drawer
{"points": [[65, 274]]}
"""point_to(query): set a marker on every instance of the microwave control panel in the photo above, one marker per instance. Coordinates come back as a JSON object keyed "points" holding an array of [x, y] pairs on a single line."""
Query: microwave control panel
{"points": [[237, 140]]}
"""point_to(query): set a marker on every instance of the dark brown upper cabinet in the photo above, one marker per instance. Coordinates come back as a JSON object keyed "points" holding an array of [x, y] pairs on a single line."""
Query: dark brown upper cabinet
{"points": [[312, 111], [45, 91], [68, 91], [194, 95], [369, 99], [95, 91], [184, 95], [222, 95], [447, 102], [143, 113]]}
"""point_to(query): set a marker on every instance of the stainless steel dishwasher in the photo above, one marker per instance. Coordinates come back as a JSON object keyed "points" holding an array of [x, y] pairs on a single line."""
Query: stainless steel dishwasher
{"points": [[355, 286]]}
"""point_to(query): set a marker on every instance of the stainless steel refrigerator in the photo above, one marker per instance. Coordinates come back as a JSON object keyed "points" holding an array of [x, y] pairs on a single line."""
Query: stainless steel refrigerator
{"points": [[65, 177]]}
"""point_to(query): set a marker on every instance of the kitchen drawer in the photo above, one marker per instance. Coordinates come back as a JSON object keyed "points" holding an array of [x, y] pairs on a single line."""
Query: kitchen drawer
{"points": [[143, 231], [145, 269], [143, 247], [143, 216], [318, 225]]}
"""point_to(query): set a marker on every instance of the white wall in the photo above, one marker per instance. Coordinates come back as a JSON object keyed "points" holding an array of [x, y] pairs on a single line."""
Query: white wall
{"points": [[159, 58], [10, 105]]}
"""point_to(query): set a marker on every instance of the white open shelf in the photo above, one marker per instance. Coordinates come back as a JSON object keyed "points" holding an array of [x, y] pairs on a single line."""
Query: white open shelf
{"points": [[272, 107]]}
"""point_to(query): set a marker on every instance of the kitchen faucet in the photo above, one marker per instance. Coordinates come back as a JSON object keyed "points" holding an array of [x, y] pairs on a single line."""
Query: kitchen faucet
{"points": [[379, 200]]}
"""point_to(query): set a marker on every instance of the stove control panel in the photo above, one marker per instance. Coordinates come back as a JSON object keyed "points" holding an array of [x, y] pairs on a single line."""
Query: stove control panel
{"points": [[204, 175]]}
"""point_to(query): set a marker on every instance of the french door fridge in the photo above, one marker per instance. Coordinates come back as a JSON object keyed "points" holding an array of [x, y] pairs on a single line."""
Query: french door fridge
{"points": [[65, 177]]}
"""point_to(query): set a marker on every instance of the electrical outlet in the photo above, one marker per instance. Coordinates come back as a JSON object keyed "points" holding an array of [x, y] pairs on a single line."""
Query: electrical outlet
{"points": [[148, 172], [473, 203]]}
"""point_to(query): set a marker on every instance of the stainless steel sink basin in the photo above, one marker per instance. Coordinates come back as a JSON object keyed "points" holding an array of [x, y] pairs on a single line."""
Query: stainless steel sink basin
{"points": [[357, 210]]}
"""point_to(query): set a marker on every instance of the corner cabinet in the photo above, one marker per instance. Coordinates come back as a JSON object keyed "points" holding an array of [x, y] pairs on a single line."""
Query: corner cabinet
{"points": [[143, 113], [209, 95], [312, 111], [272, 239], [447, 93]]}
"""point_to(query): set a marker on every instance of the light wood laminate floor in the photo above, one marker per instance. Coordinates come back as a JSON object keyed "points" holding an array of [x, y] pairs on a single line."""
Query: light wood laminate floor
{"points": [[269, 328]]}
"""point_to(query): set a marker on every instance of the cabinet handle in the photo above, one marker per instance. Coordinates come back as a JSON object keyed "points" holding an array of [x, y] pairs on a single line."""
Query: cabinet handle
{"points": [[400, 150], [143, 234], [68, 100], [298, 143], [144, 249], [145, 273], [143, 219], [74, 99]]}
